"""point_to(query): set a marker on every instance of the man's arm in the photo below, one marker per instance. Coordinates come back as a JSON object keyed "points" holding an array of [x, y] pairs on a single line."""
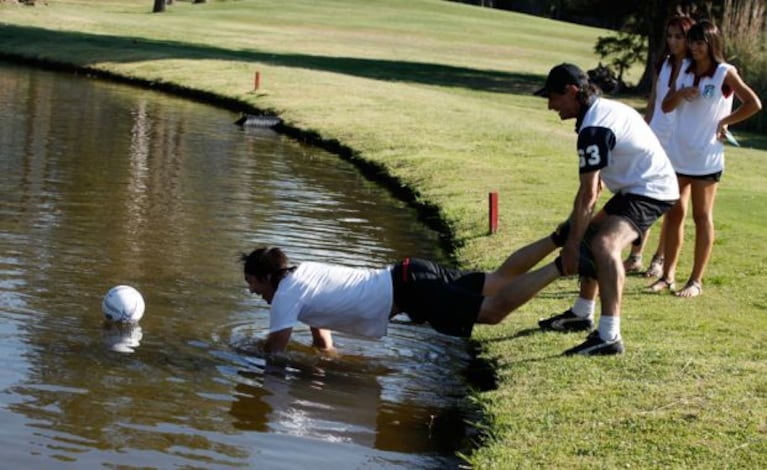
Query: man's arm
{"points": [[594, 146], [322, 339], [278, 340], [583, 211]]}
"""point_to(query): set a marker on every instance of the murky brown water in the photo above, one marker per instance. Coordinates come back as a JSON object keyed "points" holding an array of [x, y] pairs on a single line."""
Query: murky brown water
{"points": [[104, 184]]}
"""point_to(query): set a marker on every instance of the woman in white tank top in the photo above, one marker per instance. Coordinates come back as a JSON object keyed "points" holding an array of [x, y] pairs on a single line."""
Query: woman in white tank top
{"points": [[675, 57], [703, 107]]}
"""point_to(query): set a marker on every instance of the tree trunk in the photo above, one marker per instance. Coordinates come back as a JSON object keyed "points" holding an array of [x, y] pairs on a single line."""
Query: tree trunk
{"points": [[159, 6]]}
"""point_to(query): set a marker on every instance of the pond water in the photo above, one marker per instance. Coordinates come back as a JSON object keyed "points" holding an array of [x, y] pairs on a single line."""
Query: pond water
{"points": [[105, 184]]}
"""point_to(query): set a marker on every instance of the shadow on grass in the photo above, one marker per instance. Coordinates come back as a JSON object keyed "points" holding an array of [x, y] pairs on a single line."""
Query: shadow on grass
{"points": [[518, 334], [562, 293], [753, 140], [510, 363], [93, 49]]}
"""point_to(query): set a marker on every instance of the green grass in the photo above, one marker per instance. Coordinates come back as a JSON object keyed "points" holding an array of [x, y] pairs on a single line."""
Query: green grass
{"points": [[438, 94]]}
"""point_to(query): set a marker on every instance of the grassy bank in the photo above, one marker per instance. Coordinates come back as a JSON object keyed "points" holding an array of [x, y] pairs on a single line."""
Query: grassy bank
{"points": [[438, 94]]}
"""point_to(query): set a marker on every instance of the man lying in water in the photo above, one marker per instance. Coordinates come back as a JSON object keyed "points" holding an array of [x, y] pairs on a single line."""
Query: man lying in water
{"points": [[362, 301]]}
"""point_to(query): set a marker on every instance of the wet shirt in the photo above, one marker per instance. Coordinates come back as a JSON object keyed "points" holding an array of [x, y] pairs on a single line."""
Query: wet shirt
{"points": [[350, 300], [614, 139]]}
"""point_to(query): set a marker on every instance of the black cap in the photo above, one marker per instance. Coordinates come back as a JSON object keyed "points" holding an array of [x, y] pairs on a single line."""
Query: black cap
{"points": [[561, 76]]}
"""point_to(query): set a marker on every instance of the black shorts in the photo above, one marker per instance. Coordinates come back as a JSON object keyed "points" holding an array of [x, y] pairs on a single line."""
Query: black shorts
{"points": [[449, 299], [639, 211], [716, 177]]}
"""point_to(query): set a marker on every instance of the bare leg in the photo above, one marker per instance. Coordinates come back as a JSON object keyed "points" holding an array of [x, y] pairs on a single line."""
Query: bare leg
{"points": [[703, 196], [607, 246], [661, 239], [675, 230], [633, 263], [589, 288], [516, 293], [517, 263], [655, 269]]}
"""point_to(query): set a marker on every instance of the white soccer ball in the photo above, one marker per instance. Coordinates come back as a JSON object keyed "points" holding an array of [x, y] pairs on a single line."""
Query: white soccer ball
{"points": [[123, 304]]}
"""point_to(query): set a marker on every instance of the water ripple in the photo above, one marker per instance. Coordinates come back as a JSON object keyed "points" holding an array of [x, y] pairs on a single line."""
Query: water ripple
{"points": [[105, 185]]}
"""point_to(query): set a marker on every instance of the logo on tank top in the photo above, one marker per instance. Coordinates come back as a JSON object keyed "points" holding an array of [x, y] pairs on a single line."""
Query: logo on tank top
{"points": [[708, 91]]}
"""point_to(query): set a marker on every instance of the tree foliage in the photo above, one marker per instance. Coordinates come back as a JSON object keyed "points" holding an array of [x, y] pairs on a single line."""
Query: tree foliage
{"points": [[623, 50], [640, 26]]}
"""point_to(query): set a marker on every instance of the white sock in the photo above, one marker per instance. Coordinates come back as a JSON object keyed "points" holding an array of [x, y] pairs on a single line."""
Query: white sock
{"points": [[584, 308], [609, 328]]}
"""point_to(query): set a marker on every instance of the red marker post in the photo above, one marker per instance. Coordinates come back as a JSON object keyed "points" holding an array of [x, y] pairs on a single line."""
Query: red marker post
{"points": [[493, 212], [257, 81]]}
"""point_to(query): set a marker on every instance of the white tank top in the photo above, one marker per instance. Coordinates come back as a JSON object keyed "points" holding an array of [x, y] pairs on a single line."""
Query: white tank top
{"points": [[662, 124], [694, 148]]}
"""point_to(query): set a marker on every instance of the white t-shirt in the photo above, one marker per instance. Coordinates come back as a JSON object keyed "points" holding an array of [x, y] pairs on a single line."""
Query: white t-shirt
{"points": [[694, 147], [615, 139], [350, 300], [663, 123]]}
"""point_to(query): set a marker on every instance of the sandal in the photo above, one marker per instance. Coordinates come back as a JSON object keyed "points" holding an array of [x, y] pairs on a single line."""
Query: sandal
{"points": [[691, 289], [656, 267], [660, 285], [633, 264]]}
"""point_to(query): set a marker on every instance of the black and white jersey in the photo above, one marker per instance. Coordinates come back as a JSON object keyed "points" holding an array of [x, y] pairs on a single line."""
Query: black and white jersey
{"points": [[614, 139]]}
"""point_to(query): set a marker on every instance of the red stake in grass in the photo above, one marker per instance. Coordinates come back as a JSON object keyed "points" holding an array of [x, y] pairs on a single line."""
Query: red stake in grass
{"points": [[493, 212]]}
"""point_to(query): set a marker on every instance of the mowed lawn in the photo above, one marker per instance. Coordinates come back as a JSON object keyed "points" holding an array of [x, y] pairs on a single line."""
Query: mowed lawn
{"points": [[438, 95]]}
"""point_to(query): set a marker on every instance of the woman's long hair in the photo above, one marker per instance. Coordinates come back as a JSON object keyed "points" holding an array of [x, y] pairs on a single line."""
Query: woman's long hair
{"points": [[708, 32], [684, 23]]}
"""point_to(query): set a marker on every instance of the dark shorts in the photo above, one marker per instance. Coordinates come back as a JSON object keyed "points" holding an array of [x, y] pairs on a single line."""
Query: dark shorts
{"points": [[716, 177], [449, 299], [639, 211]]}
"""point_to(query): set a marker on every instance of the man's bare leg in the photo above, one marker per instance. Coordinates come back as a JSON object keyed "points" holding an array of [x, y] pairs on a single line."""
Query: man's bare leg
{"points": [[517, 263], [516, 293]]}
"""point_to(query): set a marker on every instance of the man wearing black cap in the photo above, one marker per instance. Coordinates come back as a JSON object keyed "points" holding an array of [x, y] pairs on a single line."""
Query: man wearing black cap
{"points": [[615, 147]]}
